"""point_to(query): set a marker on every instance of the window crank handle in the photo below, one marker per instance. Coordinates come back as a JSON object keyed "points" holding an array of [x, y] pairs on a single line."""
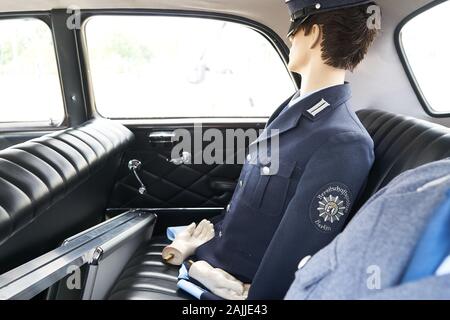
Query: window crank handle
{"points": [[134, 166]]}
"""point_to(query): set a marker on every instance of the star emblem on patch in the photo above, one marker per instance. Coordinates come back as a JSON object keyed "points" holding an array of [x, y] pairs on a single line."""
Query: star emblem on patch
{"points": [[330, 206], [331, 209]]}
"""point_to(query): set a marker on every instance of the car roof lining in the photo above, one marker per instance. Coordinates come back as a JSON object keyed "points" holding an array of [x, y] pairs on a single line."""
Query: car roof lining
{"points": [[272, 13], [379, 82]]}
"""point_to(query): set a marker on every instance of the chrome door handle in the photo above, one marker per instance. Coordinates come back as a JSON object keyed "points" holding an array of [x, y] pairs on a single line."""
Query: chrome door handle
{"points": [[184, 159], [162, 137], [134, 166]]}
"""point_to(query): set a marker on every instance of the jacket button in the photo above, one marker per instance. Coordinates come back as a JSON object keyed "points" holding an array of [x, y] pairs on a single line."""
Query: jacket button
{"points": [[228, 207], [241, 183], [303, 262], [249, 158], [266, 171]]}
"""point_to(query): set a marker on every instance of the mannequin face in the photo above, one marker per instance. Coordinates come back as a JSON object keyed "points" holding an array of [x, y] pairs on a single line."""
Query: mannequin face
{"points": [[304, 48]]}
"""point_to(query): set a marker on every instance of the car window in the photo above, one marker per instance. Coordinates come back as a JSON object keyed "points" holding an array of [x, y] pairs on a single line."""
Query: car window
{"points": [[426, 46], [29, 80], [182, 67]]}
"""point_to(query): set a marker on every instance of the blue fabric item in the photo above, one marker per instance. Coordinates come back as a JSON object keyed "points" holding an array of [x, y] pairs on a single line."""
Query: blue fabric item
{"points": [[197, 291], [433, 247], [190, 288], [173, 231], [183, 273]]}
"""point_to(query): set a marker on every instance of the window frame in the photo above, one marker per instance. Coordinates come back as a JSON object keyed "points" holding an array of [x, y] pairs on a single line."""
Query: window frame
{"points": [[407, 67], [270, 35], [32, 126]]}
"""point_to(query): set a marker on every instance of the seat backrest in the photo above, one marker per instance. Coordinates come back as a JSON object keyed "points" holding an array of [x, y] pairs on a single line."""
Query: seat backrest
{"points": [[401, 143], [55, 186]]}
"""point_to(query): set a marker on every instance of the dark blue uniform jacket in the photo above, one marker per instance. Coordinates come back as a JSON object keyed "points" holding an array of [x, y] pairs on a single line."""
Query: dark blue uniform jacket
{"points": [[280, 214]]}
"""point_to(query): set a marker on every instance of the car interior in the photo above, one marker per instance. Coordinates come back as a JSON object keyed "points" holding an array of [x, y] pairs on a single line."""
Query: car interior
{"points": [[87, 174]]}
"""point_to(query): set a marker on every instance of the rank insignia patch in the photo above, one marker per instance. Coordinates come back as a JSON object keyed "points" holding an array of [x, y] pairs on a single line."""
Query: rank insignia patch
{"points": [[330, 206]]}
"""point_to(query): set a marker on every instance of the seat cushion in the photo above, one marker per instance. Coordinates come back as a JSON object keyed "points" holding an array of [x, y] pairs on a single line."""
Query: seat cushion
{"points": [[146, 277]]}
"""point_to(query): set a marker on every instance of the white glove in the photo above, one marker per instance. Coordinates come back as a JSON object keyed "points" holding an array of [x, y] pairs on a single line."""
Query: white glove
{"points": [[187, 242], [219, 281]]}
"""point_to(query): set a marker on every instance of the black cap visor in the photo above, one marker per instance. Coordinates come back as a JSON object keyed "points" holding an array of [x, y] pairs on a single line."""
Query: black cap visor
{"points": [[295, 25]]}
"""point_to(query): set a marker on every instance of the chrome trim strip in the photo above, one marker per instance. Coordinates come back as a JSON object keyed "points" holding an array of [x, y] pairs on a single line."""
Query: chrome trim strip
{"points": [[31, 278], [156, 210]]}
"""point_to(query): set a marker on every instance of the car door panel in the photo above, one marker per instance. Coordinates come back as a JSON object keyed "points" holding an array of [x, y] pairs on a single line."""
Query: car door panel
{"points": [[176, 186]]}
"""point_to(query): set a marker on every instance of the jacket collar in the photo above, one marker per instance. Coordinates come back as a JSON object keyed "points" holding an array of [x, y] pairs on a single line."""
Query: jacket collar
{"points": [[313, 107], [279, 110]]}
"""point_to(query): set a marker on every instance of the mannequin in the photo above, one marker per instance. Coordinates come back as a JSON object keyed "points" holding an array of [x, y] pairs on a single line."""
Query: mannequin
{"points": [[325, 154], [325, 46]]}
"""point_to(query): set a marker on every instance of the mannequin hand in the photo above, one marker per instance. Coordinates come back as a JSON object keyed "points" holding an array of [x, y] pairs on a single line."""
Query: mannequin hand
{"points": [[246, 290], [197, 235], [219, 281], [187, 242]]}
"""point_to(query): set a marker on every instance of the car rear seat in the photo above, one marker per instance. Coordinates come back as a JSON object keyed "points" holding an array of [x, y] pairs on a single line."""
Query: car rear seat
{"points": [[55, 186], [401, 143]]}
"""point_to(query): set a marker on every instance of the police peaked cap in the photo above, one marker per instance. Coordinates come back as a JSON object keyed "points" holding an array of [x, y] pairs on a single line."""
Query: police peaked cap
{"points": [[300, 10]]}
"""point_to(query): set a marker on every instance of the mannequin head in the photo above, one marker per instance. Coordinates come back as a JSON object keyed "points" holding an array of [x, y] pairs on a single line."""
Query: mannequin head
{"points": [[335, 40]]}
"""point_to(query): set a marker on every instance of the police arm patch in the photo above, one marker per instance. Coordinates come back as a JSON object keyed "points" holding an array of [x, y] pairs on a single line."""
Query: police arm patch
{"points": [[330, 207]]}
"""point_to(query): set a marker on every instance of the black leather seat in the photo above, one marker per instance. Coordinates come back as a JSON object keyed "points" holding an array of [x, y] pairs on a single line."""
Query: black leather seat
{"points": [[401, 143], [146, 277], [55, 186]]}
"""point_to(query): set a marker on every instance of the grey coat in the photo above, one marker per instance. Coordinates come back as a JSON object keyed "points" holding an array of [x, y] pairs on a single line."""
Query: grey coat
{"points": [[368, 259]]}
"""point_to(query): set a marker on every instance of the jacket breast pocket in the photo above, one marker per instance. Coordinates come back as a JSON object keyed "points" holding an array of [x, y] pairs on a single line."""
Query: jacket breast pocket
{"points": [[268, 187]]}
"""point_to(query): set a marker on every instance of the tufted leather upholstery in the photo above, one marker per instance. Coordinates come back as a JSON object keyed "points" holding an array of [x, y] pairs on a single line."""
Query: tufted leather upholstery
{"points": [[169, 185], [401, 143], [54, 186]]}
